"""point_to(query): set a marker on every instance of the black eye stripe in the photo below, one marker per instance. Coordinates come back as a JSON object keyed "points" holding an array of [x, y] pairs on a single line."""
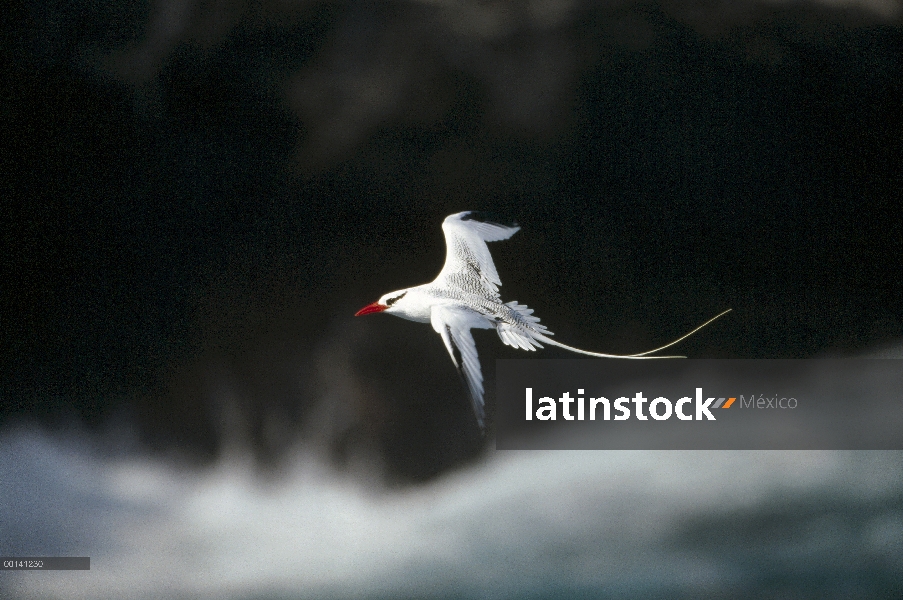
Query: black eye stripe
{"points": [[392, 301]]}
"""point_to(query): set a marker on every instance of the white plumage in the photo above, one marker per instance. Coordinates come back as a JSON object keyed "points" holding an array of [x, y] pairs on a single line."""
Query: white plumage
{"points": [[465, 296]]}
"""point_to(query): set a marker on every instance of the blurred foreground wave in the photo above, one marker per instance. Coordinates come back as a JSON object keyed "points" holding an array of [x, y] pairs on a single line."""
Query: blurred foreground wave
{"points": [[626, 524]]}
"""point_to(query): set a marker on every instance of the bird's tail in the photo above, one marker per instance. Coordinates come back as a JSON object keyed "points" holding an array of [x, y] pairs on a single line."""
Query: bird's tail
{"points": [[680, 339], [642, 355], [601, 355]]}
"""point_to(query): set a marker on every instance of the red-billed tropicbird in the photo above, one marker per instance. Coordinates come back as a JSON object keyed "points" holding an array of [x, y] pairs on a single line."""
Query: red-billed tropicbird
{"points": [[465, 296]]}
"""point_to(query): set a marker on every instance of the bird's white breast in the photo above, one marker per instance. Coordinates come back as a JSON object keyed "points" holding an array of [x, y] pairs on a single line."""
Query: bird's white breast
{"points": [[416, 305]]}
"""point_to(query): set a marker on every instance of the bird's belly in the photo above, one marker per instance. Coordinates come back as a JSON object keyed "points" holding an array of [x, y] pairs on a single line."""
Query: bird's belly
{"points": [[418, 317]]}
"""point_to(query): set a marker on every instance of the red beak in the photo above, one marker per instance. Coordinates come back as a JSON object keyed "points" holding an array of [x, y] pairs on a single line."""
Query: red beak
{"points": [[371, 308]]}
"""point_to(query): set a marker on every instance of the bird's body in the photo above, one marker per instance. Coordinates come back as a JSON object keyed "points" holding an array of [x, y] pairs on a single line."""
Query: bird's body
{"points": [[465, 296]]}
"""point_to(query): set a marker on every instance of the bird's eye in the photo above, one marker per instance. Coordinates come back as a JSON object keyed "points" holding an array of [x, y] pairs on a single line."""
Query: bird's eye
{"points": [[392, 301]]}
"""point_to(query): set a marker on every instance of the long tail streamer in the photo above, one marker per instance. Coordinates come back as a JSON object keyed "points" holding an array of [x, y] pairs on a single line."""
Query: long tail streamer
{"points": [[641, 355]]}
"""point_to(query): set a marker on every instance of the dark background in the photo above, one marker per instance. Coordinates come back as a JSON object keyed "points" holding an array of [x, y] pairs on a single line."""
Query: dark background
{"points": [[198, 196]]}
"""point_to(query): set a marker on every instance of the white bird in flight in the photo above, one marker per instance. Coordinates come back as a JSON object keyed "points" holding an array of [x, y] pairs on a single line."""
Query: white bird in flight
{"points": [[465, 296]]}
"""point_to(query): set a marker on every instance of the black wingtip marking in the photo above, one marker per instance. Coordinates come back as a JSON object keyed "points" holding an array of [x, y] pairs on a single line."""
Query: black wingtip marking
{"points": [[488, 218], [456, 353]]}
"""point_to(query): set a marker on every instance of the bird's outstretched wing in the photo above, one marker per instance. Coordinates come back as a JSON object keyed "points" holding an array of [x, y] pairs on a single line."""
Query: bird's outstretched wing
{"points": [[468, 264], [454, 325]]}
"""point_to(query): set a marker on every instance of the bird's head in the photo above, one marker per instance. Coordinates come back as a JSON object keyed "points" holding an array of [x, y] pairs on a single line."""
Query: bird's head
{"points": [[387, 303]]}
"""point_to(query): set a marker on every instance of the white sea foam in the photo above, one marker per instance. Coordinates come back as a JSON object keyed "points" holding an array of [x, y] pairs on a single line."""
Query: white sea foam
{"points": [[515, 522]]}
